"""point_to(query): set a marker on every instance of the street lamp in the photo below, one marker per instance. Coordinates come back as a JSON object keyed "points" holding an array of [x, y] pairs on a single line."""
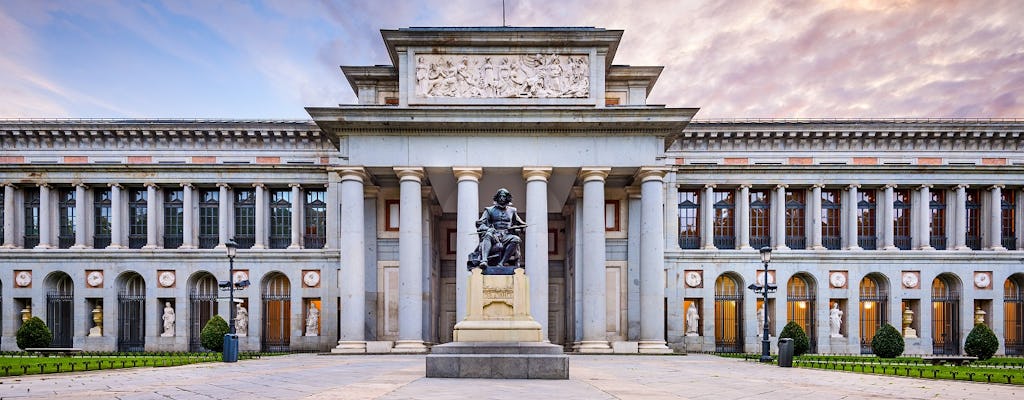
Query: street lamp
{"points": [[766, 257], [231, 339]]}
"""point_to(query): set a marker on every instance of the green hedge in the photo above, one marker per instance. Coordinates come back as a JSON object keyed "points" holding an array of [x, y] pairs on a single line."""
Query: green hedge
{"points": [[212, 335], [34, 333], [801, 344], [888, 342], [981, 342]]}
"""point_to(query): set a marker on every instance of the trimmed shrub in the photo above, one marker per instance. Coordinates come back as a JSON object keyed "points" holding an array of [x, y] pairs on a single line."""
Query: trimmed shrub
{"points": [[34, 333], [801, 344], [212, 335], [888, 342], [981, 342]]}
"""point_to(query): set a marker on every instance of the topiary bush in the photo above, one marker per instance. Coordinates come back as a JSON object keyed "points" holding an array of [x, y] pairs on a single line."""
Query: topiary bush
{"points": [[34, 333], [801, 344], [981, 342], [212, 335], [888, 342]]}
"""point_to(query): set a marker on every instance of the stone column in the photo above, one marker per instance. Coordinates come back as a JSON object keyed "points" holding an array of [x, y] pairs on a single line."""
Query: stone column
{"points": [[410, 260], [779, 224], [850, 225], [9, 216], [352, 336], [815, 217], [888, 239], [707, 217], [261, 216], [80, 220], [652, 261], [995, 218], [151, 222], [465, 226], [671, 199], [742, 216], [223, 210], [187, 217], [594, 260], [960, 224], [296, 217], [536, 243], [116, 222], [44, 216], [924, 218]]}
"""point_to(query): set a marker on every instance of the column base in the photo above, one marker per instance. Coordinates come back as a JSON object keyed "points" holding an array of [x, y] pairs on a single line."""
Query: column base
{"points": [[926, 248], [818, 247], [746, 247], [854, 248], [258, 247], [709, 247], [79, 247], [149, 247], [891, 248], [782, 248], [654, 347], [350, 347], [220, 246], [294, 247], [998, 248], [114, 247], [186, 247], [963, 248], [409, 346], [9, 246], [594, 347], [42, 246]]}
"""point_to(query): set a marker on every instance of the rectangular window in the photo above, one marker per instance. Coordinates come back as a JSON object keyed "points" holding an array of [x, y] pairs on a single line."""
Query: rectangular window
{"points": [[280, 219], [31, 217], [901, 218], [174, 209], [796, 220], [66, 218], [1009, 216], [689, 219], [937, 207], [724, 228], [760, 219], [867, 234], [831, 219], [973, 206], [245, 218], [316, 219], [137, 218], [209, 219], [101, 221]]}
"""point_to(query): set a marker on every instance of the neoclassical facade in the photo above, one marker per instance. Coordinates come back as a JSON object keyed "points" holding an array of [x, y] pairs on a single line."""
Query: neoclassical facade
{"points": [[355, 226]]}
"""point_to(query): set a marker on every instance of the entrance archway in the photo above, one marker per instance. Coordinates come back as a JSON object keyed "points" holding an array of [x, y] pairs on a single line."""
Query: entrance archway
{"points": [[277, 305], [202, 307], [60, 293], [728, 315], [874, 300], [131, 313], [945, 315], [800, 306]]}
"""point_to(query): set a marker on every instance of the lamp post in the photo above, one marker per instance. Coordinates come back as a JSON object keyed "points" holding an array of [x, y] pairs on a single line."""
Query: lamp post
{"points": [[766, 257], [231, 339]]}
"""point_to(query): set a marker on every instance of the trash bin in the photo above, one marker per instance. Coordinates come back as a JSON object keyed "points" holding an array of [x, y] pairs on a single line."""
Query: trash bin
{"points": [[786, 352], [230, 348]]}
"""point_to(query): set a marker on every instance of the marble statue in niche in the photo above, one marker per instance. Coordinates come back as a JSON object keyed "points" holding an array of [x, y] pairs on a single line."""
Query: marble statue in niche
{"points": [[503, 76]]}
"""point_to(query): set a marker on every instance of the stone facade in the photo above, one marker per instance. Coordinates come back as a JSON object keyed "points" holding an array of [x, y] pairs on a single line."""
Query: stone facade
{"points": [[365, 214]]}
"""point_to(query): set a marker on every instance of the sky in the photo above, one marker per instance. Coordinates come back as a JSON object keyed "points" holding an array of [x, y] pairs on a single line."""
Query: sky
{"points": [[732, 59]]}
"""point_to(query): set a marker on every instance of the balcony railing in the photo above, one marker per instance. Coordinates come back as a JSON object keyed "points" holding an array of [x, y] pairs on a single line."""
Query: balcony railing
{"points": [[136, 241], [245, 242], [1010, 242], [902, 242], [758, 242], [208, 241], [172, 241], [689, 242], [279, 242], [794, 242], [65, 241], [725, 242], [832, 242], [314, 241], [937, 242], [31, 241], [974, 242], [867, 242], [100, 241]]}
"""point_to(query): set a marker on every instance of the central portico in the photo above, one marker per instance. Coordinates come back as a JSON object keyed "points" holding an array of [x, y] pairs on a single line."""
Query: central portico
{"points": [[465, 111]]}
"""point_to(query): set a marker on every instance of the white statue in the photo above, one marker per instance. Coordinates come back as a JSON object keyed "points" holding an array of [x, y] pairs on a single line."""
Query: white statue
{"points": [[312, 321], [692, 320], [835, 320], [762, 319], [168, 320], [241, 320]]}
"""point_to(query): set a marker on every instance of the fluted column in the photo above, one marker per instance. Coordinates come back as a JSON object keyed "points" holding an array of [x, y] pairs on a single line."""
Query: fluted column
{"points": [[261, 216], [410, 260], [536, 248], [852, 212], [187, 217], [45, 221], [815, 217], [960, 224], [742, 216], [296, 216], [995, 218], [652, 261], [888, 224], [779, 224], [151, 227], [116, 222], [594, 259], [80, 220], [223, 210], [352, 337], [9, 216], [465, 226], [707, 217]]}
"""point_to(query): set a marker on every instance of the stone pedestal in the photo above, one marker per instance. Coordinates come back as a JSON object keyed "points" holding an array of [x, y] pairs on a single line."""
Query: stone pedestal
{"points": [[498, 310]]}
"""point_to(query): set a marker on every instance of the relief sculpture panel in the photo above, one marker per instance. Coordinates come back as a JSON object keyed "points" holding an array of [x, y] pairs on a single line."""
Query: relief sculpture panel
{"points": [[503, 76]]}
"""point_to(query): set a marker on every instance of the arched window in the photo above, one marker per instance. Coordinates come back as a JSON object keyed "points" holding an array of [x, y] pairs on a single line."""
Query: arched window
{"points": [[131, 313], [277, 307], [800, 302], [945, 315], [59, 310], [728, 315], [202, 307], [873, 303]]}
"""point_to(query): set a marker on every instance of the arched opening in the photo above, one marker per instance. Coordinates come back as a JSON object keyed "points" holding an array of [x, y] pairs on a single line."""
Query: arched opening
{"points": [[131, 313], [728, 315], [874, 300], [800, 302], [945, 315], [202, 307], [277, 305], [60, 293], [1013, 314]]}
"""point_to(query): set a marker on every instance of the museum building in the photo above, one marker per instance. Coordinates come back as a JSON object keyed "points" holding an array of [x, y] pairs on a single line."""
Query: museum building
{"points": [[644, 225]]}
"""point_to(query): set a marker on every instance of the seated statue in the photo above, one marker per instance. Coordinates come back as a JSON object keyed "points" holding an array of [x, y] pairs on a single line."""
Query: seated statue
{"points": [[499, 242]]}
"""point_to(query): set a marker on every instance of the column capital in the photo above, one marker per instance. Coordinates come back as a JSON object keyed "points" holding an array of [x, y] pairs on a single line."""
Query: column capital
{"points": [[782, 186], [925, 186], [187, 185], [223, 185], [468, 173], [150, 185], [997, 186], [410, 173], [962, 186], [82, 184], [370, 191], [818, 185], [536, 173], [645, 174], [745, 186], [588, 174], [890, 186], [633, 192], [115, 185], [351, 173], [260, 185], [853, 186], [7, 183], [295, 185], [44, 185], [710, 185]]}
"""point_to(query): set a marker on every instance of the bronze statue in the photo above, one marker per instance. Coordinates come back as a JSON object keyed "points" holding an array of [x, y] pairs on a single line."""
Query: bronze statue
{"points": [[498, 227]]}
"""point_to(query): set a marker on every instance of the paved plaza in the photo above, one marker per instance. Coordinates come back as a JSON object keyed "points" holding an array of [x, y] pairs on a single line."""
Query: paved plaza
{"points": [[309, 376]]}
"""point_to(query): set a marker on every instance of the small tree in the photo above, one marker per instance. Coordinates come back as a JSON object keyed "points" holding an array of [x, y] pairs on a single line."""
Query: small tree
{"points": [[981, 342], [887, 343], [212, 335], [34, 333], [801, 344]]}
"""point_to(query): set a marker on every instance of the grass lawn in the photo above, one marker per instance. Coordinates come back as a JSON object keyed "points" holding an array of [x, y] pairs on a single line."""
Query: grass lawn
{"points": [[23, 363]]}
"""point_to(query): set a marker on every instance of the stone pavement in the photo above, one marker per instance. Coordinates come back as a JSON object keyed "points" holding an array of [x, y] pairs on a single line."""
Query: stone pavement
{"points": [[309, 376]]}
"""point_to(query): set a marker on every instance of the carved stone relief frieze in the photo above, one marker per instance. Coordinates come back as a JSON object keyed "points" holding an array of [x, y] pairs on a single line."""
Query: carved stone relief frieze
{"points": [[502, 76]]}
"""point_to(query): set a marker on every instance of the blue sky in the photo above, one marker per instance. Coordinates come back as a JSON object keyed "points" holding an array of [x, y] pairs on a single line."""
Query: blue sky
{"points": [[733, 59]]}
